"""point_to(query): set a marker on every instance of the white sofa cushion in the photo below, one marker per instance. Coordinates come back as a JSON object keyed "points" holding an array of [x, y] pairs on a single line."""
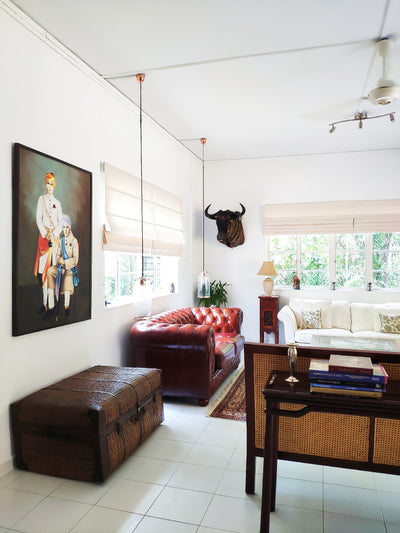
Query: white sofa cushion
{"points": [[383, 309], [341, 318], [361, 317], [377, 335], [304, 336], [299, 304]]}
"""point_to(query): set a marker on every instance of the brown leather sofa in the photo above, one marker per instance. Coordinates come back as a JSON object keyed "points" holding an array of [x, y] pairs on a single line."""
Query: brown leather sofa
{"points": [[195, 347]]}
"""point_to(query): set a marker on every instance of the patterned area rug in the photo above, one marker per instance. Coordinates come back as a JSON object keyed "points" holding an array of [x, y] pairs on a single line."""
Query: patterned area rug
{"points": [[232, 405]]}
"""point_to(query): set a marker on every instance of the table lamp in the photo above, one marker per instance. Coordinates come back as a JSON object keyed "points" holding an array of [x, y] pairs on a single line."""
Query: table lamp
{"points": [[268, 269]]}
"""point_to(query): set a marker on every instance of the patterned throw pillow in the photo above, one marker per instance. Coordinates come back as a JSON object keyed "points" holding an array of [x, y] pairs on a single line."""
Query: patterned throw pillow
{"points": [[390, 323], [311, 319]]}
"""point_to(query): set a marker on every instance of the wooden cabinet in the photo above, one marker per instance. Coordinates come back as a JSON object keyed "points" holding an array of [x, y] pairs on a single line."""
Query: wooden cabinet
{"points": [[269, 306]]}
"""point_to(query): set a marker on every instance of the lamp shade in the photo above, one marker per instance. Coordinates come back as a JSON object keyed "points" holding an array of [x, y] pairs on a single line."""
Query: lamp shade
{"points": [[267, 269]]}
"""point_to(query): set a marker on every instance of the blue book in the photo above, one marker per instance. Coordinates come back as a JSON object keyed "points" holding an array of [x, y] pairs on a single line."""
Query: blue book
{"points": [[347, 383], [346, 387], [319, 368]]}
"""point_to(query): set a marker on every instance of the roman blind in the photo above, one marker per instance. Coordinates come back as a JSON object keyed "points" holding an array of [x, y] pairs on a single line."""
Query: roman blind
{"points": [[162, 216], [370, 216]]}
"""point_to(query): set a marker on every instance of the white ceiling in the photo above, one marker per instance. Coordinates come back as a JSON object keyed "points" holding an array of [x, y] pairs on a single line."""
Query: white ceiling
{"points": [[258, 78]]}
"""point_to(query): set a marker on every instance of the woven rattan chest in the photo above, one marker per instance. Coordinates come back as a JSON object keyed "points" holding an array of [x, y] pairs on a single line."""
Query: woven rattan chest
{"points": [[84, 426]]}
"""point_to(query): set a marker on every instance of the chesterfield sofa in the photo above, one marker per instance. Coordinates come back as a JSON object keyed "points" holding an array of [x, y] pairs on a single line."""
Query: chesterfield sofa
{"points": [[195, 347]]}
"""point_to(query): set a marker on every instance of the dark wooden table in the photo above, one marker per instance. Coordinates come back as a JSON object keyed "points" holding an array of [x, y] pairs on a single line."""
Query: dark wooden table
{"points": [[278, 391]]}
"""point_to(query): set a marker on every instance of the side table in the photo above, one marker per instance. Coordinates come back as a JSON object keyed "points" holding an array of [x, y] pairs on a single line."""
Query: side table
{"points": [[278, 392], [269, 306]]}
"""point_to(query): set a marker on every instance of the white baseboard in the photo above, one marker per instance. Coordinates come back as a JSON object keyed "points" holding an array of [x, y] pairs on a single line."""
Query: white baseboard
{"points": [[6, 467]]}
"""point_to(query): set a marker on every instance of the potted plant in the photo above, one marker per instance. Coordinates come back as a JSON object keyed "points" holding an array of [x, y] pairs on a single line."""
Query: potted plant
{"points": [[218, 295]]}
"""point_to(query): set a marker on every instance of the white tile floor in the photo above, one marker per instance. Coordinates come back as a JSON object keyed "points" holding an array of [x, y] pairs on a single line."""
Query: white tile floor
{"points": [[188, 477]]}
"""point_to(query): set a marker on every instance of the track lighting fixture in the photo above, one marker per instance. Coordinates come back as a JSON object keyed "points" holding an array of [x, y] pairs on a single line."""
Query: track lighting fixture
{"points": [[360, 117]]}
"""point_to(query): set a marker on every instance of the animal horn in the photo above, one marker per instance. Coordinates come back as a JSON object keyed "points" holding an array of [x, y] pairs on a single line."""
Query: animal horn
{"points": [[243, 210], [208, 215]]}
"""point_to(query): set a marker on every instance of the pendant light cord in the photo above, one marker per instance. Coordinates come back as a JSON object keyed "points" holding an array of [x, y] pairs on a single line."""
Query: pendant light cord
{"points": [[140, 78], [203, 141], [203, 208]]}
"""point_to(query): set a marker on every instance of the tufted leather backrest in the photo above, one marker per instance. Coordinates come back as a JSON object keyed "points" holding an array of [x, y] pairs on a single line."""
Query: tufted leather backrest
{"points": [[177, 316], [221, 319]]}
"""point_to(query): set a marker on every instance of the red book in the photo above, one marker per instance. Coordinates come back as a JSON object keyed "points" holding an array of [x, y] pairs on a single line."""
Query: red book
{"points": [[351, 364]]}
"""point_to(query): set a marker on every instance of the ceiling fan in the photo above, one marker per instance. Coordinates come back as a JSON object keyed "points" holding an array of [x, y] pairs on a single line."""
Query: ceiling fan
{"points": [[387, 91]]}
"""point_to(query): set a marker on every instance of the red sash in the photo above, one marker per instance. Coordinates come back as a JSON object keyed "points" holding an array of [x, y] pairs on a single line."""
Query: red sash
{"points": [[43, 248]]}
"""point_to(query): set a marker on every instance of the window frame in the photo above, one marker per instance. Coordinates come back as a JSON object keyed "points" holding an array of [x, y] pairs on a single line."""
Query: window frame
{"points": [[368, 269], [137, 296]]}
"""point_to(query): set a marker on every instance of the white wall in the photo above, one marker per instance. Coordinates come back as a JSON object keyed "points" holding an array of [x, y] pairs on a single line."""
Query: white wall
{"points": [[347, 176], [51, 103]]}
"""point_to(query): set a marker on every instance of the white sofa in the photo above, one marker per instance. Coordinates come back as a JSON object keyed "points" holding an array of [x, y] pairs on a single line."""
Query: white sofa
{"points": [[303, 319]]}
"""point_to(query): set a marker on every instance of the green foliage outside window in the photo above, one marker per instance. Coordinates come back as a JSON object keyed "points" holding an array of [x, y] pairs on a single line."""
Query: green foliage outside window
{"points": [[350, 260], [354, 255], [283, 254], [314, 260], [386, 260]]}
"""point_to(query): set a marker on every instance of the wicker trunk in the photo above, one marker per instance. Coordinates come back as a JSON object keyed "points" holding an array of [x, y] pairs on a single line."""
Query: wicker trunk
{"points": [[84, 426]]}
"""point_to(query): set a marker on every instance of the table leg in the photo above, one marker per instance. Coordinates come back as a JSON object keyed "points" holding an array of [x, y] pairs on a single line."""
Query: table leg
{"points": [[267, 484], [250, 472], [275, 439]]}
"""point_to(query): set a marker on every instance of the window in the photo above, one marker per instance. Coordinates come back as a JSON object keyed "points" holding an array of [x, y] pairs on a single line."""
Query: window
{"points": [[351, 260], [386, 260], [314, 260], [283, 254], [122, 271]]}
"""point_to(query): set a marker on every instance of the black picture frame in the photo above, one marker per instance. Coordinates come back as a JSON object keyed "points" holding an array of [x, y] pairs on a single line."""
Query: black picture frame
{"points": [[73, 194]]}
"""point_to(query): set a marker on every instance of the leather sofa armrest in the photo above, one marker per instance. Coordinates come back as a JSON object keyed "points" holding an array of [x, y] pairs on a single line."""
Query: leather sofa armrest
{"points": [[191, 337], [288, 318]]}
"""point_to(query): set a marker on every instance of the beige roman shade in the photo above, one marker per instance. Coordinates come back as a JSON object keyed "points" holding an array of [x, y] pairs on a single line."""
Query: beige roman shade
{"points": [[332, 217], [162, 216]]}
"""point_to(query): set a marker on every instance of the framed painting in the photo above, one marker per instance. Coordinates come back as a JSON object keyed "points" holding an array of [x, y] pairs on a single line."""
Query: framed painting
{"points": [[52, 242]]}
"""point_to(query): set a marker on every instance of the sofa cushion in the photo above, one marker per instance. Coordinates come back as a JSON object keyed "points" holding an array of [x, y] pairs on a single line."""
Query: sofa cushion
{"points": [[311, 319], [361, 317], [340, 310], [223, 350], [304, 336], [390, 323], [299, 304], [234, 338], [377, 335], [384, 309]]}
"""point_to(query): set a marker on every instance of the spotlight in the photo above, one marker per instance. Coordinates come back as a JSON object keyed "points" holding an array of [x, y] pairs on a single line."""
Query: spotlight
{"points": [[360, 117]]}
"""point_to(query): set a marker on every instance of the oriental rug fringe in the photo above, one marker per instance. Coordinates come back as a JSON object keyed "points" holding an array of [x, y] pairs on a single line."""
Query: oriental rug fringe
{"points": [[232, 405]]}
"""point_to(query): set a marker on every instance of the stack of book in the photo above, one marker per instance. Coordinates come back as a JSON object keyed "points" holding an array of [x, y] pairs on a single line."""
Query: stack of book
{"points": [[342, 374]]}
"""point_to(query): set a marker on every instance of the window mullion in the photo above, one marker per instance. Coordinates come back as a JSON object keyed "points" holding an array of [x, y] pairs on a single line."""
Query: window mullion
{"points": [[332, 260], [298, 256], [118, 280], [368, 259]]}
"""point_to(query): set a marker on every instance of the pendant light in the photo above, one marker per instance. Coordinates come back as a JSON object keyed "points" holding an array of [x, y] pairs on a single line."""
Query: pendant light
{"points": [[203, 280]]}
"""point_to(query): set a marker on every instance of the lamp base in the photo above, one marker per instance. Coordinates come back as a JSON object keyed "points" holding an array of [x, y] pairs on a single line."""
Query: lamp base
{"points": [[268, 285]]}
